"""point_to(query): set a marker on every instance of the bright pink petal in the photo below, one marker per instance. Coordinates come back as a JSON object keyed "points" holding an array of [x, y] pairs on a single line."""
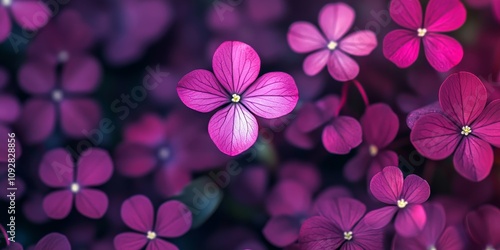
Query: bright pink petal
{"points": [[342, 67], [401, 47], [320, 233], [30, 15], [443, 52], [91, 203], [272, 95], [415, 189], [79, 116], [53, 241], [304, 37], [380, 125], [137, 213], [387, 185], [342, 135], [483, 225], [37, 78], [436, 221], [473, 158], [130, 241], [281, 231], [56, 168], [335, 20], [57, 204], [382, 160], [201, 91], [236, 65], [366, 238], [173, 220], [451, 239], [81, 74], [39, 112], [359, 43], [288, 197], [344, 212], [381, 217], [444, 15], [134, 160], [94, 167], [410, 220], [233, 129], [5, 24], [407, 13], [435, 136], [487, 125], [159, 244], [315, 62]]}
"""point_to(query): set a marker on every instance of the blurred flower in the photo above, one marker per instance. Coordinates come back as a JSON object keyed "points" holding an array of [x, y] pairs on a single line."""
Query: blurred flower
{"points": [[304, 173], [402, 46], [335, 20], [53, 241], [94, 168], [172, 220], [235, 86], [404, 197], [29, 14], [483, 226]]}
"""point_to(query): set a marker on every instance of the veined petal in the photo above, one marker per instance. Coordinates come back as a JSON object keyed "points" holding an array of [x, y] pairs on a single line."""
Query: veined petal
{"points": [[381, 217], [5, 24], [159, 244], [473, 158], [444, 15], [201, 91], [335, 20], [304, 37], [137, 213], [342, 135], [95, 167], [342, 67], [53, 241], [130, 241], [380, 125], [487, 125], [443, 52], [387, 185], [315, 62], [359, 43], [30, 15], [174, 219], [320, 233], [79, 116], [57, 204], [483, 224], [407, 13], [56, 168], [415, 189], [401, 47], [91, 203], [451, 239]]}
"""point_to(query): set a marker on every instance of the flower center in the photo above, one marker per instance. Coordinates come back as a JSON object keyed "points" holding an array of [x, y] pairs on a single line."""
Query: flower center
{"points": [[348, 235], [421, 32], [432, 248], [57, 95], [151, 235], [236, 98], [373, 150], [6, 3], [489, 247], [163, 153], [75, 187], [331, 45], [63, 56], [402, 203], [466, 130]]}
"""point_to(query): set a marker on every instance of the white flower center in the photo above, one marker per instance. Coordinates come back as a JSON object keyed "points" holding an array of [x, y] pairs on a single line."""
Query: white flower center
{"points": [[331, 45], [6, 3], [432, 248], [236, 98], [466, 130], [348, 235], [373, 150], [151, 235], [163, 153], [402, 203], [63, 56], [489, 247], [421, 32], [75, 187], [57, 95]]}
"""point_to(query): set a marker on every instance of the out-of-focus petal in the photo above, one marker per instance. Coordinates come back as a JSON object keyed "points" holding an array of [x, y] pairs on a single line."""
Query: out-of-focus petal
{"points": [[282, 231], [30, 15], [357, 166], [91, 203], [401, 47], [304, 37], [315, 62], [53, 241], [79, 116], [137, 213], [443, 52], [335, 20], [57, 204], [342, 67], [344, 212], [10, 109], [173, 220], [130, 241], [94, 167], [201, 91], [410, 220], [407, 13], [342, 135], [444, 15], [387, 185], [380, 125], [359, 43], [134, 160], [172, 179], [150, 130], [56, 168], [5, 24], [473, 158], [381, 217]]}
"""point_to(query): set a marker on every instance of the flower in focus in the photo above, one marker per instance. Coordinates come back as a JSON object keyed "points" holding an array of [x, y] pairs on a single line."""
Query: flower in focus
{"points": [[404, 197], [29, 14], [483, 226], [465, 127], [331, 47], [234, 87], [172, 220], [57, 169], [402, 46]]}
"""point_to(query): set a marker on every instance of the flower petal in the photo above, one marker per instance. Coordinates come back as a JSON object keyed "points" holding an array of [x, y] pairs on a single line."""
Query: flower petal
{"points": [[81, 74], [201, 91], [173, 220], [342, 67], [342, 135], [380, 161], [415, 189], [315, 62], [443, 52], [387, 185], [407, 13], [416, 114], [359, 43], [30, 15], [381, 217], [473, 158], [172, 179], [130, 241], [134, 160], [288, 197], [401, 47], [410, 220], [236, 65], [91, 203], [159, 244], [137, 213], [79, 116], [39, 112], [94, 167], [357, 166], [344, 212], [335, 20], [53, 241], [233, 129], [435, 136], [483, 225], [57, 204], [380, 125], [304, 37], [320, 233], [56, 168], [444, 15], [450, 239], [366, 237], [487, 125], [281, 231], [272, 95], [37, 78], [5, 24]]}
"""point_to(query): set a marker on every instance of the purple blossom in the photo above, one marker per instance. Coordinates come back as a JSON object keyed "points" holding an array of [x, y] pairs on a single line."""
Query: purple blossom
{"points": [[29, 14], [53, 241], [483, 226]]}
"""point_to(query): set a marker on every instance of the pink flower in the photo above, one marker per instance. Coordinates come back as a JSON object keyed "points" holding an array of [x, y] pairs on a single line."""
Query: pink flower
{"points": [[465, 127], [483, 226], [404, 197], [331, 48], [443, 52], [234, 87], [30, 14], [53, 241], [94, 168], [172, 220]]}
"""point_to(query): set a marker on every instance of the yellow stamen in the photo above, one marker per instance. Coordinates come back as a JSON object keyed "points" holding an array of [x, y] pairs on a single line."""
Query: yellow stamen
{"points": [[236, 98], [332, 45], [466, 130], [421, 32], [402, 203], [348, 235], [75, 187]]}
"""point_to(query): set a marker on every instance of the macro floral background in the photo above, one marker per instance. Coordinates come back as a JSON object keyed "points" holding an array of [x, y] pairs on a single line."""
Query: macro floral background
{"points": [[250, 124]]}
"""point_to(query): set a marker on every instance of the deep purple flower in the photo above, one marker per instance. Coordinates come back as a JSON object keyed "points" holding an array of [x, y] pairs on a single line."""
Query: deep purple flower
{"points": [[404, 197], [340, 225], [57, 169], [53, 241], [29, 14], [380, 126], [483, 226], [172, 220], [466, 127], [234, 87]]}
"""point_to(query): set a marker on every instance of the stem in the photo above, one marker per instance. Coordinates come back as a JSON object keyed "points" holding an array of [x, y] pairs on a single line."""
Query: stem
{"points": [[343, 97], [362, 92]]}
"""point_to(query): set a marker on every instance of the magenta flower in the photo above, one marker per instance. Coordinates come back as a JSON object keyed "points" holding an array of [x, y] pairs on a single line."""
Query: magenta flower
{"points": [[466, 127], [402, 46], [340, 225], [172, 220], [29, 14], [404, 197], [380, 126], [434, 235], [57, 169], [483, 226], [53, 241], [234, 87], [331, 48]]}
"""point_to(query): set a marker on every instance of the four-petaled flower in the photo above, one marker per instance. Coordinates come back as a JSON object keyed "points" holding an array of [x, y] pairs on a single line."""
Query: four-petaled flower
{"points": [[29, 14]]}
